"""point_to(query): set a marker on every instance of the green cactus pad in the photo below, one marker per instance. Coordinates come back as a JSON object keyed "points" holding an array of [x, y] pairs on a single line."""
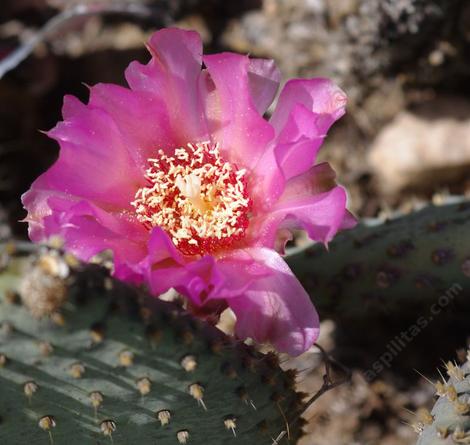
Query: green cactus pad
{"points": [[120, 367], [386, 267]]}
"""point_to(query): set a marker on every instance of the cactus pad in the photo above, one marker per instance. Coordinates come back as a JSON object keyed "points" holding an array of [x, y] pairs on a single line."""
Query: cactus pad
{"points": [[388, 267], [449, 422], [116, 366]]}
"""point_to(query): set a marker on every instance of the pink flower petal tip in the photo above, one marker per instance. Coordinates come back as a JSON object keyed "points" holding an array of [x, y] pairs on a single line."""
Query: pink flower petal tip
{"points": [[191, 188]]}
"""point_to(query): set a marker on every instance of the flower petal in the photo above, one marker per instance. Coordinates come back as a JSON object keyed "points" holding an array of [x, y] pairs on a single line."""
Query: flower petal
{"points": [[266, 182], [264, 78], [305, 111], [88, 230], [298, 143], [72, 107], [172, 76], [232, 116], [195, 280], [270, 303], [321, 215], [161, 248], [93, 162], [318, 179], [142, 120], [321, 96], [349, 221], [200, 280], [276, 308], [35, 201]]}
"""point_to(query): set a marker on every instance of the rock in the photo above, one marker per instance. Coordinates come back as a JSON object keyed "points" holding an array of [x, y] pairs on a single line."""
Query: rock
{"points": [[358, 42], [423, 150]]}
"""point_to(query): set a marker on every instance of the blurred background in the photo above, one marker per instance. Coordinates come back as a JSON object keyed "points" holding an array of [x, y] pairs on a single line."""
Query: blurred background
{"points": [[404, 64]]}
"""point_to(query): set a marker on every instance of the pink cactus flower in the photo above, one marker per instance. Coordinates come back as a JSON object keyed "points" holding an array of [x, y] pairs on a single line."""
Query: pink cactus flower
{"points": [[182, 178]]}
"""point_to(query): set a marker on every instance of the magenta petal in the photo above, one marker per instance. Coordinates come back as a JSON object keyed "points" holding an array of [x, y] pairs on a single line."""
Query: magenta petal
{"points": [[35, 201], [164, 264], [164, 277], [178, 51], [239, 269], [202, 280], [172, 76], [320, 215], [299, 142], [195, 280], [88, 230], [276, 308], [161, 248], [93, 163], [132, 274], [321, 96], [318, 179], [272, 229], [232, 116], [72, 107], [142, 119], [349, 221], [305, 111], [266, 182], [264, 78]]}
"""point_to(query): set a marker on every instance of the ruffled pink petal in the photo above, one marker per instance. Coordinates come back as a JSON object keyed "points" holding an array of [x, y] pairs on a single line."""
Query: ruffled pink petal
{"points": [[298, 143], [321, 96], [318, 179], [270, 304], [35, 201], [233, 119], [172, 76], [264, 78], [321, 215], [195, 280], [276, 308], [142, 119], [305, 111], [274, 228], [72, 107], [349, 221], [161, 249], [202, 280], [269, 183], [129, 273], [93, 162], [266, 182], [88, 230]]}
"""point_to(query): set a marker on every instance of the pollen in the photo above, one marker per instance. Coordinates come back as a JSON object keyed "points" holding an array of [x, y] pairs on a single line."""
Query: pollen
{"points": [[197, 197]]}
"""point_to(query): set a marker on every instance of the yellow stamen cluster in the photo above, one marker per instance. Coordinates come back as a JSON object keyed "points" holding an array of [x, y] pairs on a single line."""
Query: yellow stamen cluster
{"points": [[197, 197]]}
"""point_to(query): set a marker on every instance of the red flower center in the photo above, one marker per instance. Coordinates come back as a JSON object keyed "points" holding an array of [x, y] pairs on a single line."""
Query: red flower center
{"points": [[197, 197]]}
